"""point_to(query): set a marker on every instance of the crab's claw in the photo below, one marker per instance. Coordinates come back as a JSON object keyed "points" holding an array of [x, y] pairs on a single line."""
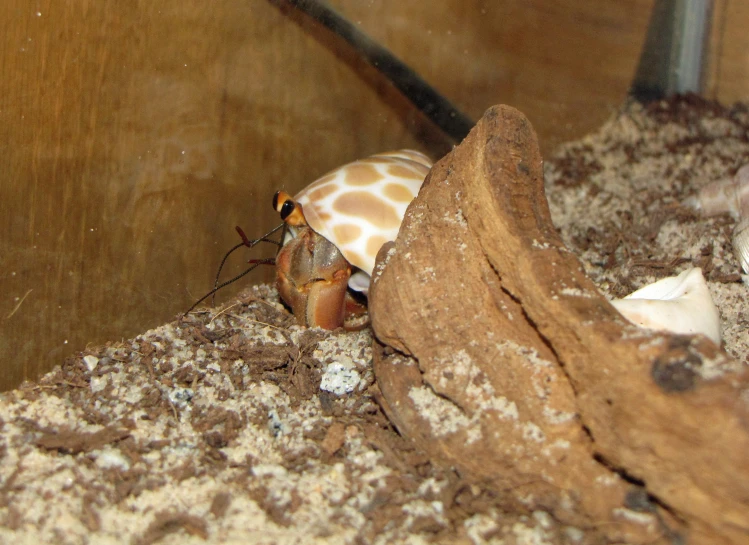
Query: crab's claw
{"points": [[312, 278]]}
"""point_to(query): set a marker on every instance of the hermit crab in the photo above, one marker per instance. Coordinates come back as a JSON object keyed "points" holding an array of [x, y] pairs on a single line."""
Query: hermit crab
{"points": [[333, 230]]}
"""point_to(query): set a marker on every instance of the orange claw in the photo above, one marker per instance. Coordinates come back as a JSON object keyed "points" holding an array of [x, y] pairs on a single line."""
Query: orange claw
{"points": [[325, 303]]}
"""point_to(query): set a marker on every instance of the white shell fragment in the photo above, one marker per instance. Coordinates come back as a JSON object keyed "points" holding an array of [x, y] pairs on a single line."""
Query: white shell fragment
{"points": [[680, 304], [732, 197], [724, 196]]}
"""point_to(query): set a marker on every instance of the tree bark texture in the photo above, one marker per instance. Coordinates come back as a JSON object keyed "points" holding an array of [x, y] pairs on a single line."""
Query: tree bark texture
{"points": [[499, 356]]}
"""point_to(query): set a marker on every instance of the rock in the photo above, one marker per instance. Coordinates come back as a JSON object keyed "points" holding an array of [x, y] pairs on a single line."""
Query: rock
{"points": [[497, 355]]}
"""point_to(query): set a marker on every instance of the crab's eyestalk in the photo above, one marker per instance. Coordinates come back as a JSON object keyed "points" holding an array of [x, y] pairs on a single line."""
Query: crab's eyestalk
{"points": [[290, 211]]}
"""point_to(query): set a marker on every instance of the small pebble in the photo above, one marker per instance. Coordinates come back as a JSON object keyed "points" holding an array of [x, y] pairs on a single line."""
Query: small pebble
{"points": [[91, 362]]}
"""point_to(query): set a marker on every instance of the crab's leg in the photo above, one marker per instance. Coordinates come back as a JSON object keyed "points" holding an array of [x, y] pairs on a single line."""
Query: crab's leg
{"points": [[325, 301]]}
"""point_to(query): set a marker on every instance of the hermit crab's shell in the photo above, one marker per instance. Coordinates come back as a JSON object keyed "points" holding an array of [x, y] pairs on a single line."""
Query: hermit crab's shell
{"points": [[360, 206]]}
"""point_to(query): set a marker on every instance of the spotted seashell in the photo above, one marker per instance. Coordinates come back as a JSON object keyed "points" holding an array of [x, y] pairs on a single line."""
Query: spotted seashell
{"points": [[360, 206]]}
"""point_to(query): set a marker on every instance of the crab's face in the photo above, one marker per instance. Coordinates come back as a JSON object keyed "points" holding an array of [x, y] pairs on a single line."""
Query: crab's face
{"points": [[336, 226]]}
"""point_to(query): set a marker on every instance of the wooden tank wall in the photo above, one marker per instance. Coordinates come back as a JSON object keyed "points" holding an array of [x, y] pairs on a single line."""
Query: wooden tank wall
{"points": [[135, 135]]}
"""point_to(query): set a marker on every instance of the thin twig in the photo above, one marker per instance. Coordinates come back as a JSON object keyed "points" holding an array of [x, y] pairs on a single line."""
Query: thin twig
{"points": [[12, 312], [263, 323], [222, 311]]}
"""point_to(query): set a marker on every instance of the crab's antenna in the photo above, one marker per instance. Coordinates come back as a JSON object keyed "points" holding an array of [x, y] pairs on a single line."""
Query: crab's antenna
{"points": [[249, 244], [255, 262]]}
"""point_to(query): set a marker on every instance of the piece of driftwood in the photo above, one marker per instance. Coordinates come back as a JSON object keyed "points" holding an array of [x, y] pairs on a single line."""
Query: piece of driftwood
{"points": [[498, 356]]}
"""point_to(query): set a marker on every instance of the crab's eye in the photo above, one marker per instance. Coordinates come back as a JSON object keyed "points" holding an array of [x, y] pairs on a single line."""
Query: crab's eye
{"points": [[286, 209]]}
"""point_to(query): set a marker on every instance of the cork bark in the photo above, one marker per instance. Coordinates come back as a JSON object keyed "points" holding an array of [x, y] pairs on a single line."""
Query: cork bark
{"points": [[499, 356]]}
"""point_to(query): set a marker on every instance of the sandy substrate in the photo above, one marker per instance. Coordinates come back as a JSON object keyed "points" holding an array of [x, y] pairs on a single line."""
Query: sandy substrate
{"points": [[237, 426]]}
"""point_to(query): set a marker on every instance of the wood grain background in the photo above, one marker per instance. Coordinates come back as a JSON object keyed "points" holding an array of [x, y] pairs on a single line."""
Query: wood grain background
{"points": [[135, 135]]}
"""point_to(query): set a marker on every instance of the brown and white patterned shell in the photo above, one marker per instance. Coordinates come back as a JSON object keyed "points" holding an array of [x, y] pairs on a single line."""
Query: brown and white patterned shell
{"points": [[360, 206]]}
